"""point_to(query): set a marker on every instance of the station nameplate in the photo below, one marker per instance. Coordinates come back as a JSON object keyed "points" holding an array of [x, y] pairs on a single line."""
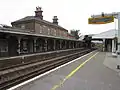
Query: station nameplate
{"points": [[101, 20]]}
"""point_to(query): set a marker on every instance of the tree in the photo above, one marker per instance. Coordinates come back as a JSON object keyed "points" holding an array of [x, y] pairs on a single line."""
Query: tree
{"points": [[75, 33], [87, 40]]}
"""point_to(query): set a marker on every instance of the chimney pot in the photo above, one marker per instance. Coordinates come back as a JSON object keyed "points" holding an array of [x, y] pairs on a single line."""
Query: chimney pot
{"points": [[55, 20], [38, 13]]}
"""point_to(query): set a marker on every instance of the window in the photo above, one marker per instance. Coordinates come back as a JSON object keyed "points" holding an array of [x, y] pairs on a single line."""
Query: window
{"points": [[59, 32], [52, 32], [48, 31], [55, 32], [44, 27], [45, 30], [41, 29], [23, 26], [64, 34]]}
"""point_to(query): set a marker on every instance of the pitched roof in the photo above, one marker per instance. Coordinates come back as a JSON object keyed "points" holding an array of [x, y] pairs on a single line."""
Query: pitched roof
{"points": [[37, 19], [107, 34]]}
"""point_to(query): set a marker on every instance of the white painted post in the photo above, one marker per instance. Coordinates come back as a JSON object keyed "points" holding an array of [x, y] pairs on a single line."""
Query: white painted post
{"points": [[54, 46], [103, 45], [118, 44], [113, 46], [60, 44], [19, 45], [35, 41], [46, 44], [65, 47]]}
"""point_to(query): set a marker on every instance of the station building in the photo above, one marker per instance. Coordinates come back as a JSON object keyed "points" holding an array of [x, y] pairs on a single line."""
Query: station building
{"points": [[106, 41], [33, 34]]}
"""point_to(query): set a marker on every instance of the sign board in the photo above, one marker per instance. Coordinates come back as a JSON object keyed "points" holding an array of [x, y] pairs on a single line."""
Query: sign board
{"points": [[101, 20]]}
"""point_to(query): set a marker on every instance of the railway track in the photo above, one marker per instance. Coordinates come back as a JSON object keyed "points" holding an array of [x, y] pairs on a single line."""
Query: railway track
{"points": [[21, 72], [8, 63]]}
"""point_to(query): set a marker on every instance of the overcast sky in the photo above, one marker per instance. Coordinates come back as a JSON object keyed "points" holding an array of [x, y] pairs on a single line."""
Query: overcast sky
{"points": [[72, 14]]}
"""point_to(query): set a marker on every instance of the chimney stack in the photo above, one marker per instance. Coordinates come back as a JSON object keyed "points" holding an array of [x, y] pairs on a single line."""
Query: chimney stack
{"points": [[38, 13], [55, 20]]}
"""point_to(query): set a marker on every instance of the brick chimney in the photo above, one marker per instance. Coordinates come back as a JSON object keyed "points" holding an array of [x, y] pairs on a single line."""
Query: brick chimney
{"points": [[55, 20], [38, 13]]}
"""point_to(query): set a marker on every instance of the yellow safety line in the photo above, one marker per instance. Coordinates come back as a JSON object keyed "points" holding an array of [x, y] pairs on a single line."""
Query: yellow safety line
{"points": [[73, 72]]}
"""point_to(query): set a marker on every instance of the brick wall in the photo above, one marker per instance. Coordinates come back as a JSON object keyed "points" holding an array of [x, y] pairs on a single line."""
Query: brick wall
{"points": [[25, 25], [41, 28]]}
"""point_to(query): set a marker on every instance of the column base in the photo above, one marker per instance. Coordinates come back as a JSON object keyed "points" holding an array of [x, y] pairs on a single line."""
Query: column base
{"points": [[118, 52], [114, 54], [118, 66]]}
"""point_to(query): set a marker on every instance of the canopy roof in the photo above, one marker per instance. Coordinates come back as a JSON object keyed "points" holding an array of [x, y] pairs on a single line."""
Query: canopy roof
{"points": [[110, 34]]}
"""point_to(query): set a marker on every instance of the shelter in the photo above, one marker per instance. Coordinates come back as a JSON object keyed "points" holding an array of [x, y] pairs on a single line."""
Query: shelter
{"points": [[109, 40]]}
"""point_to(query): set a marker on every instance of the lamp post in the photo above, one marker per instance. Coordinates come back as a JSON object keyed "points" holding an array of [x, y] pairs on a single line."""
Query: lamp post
{"points": [[118, 44], [116, 15]]}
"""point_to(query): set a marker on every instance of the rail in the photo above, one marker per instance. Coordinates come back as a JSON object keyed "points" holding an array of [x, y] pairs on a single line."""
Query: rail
{"points": [[19, 74]]}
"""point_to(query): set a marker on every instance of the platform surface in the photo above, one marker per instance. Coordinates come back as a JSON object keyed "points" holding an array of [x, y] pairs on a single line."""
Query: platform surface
{"points": [[92, 75]]}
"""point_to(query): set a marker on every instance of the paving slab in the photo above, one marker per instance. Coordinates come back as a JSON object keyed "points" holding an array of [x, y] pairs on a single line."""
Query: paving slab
{"points": [[94, 75], [112, 61]]}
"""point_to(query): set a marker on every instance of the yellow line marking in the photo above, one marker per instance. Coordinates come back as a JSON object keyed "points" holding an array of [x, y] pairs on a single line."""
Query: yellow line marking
{"points": [[73, 72]]}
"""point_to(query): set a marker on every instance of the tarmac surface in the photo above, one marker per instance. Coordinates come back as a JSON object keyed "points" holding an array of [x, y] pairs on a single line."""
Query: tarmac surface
{"points": [[87, 73]]}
